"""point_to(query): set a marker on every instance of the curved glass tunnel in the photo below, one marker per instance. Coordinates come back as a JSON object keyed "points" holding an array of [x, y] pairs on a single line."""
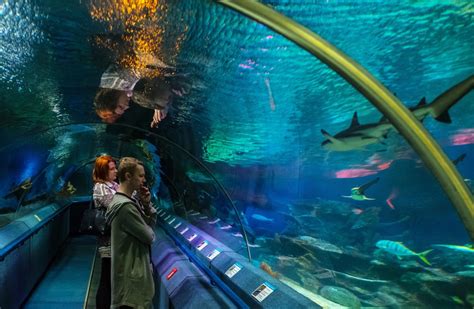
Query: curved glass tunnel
{"points": [[286, 140]]}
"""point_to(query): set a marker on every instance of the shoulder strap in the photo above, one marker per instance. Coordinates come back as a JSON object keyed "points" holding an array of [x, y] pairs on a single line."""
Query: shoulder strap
{"points": [[91, 203]]}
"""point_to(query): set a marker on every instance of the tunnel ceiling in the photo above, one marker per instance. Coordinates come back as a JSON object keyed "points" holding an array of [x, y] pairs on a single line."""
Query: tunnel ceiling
{"points": [[255, 96]]}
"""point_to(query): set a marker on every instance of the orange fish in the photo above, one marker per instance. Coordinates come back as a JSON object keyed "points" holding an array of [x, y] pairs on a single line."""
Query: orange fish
{"points": [[264, 266]]}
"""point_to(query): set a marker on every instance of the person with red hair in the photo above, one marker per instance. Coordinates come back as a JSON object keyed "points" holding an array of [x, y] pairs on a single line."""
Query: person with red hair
{"points": [[105, 187]]}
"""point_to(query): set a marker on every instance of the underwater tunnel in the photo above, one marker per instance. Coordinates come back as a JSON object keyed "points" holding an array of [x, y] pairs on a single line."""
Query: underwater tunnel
{"points": [[311, 154]]}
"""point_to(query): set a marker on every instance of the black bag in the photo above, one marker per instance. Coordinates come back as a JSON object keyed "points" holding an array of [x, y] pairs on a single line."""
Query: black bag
{"points": [[93, 222]]}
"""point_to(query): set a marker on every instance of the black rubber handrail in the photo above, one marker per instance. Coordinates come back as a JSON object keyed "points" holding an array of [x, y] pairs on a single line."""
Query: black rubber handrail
{"points": [[20, 240]]}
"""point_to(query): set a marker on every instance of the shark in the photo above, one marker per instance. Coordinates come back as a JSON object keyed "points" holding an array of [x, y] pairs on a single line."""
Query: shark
{"points": [[358, 193], [357, 136], [439, 108]]}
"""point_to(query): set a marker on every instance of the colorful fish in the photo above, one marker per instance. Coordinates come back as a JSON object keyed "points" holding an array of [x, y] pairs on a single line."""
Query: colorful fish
{"points": [[466, 249], [268, 269], [358, 193], [398, 249]]}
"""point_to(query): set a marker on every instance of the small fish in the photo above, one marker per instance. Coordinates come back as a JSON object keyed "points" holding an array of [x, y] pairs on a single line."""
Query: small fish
{"points": [[357, 278], [457, 300], [254, 246], [358, 193], [392, 195], [67, 190], [238, 235], [466, 249], [261, 218], [323, 273], [357, 211], [203, 217], [377, 262], [70, 188], [226, 227], [459, 159], [27, 184], [198, 177], [62, 180], [215, 221], [465, 273], [398, 249], [267, 268], [320, 244]]}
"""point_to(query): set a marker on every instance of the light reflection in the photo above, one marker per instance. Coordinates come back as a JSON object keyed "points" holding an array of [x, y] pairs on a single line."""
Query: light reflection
{"points": [[19, 32], [141, 24], [32, 166], [463, 137], [354, 173], [372, 168]]}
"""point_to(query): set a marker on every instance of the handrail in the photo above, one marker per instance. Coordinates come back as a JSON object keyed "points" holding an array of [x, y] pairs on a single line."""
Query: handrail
{"points": [[204, 268], [28, 234], [164, 139], [390, 106], [89, 282]]}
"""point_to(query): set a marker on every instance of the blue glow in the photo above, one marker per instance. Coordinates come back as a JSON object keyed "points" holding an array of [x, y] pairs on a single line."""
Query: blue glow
{"points": [[32, 166]]}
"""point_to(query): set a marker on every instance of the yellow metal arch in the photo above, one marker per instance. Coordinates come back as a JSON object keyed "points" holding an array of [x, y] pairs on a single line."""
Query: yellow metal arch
{"points": [[402, 119]]}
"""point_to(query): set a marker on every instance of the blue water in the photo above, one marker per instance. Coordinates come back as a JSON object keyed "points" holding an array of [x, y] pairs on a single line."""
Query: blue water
{"points": [[254, 115]]}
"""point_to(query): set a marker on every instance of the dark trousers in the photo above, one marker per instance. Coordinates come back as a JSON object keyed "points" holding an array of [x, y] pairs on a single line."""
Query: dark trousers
{"points": [[104, 292]]}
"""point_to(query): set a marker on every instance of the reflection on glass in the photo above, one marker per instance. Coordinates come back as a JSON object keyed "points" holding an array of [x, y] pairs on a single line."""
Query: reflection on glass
{"points": [[141, 25]]}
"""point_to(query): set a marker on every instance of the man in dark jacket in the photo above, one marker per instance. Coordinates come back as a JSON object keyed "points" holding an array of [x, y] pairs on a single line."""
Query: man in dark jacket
{"points": [[131, 236]]}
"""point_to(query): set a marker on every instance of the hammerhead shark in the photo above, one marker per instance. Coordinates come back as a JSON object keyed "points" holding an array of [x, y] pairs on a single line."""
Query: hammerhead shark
{"points": [[358, 136], [358, 194]]}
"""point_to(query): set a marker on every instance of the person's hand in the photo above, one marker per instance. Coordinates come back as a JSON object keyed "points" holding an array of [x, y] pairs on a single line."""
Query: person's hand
{"points": [[181, 91], [144, 196], [178, 92], [159, 115]]}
